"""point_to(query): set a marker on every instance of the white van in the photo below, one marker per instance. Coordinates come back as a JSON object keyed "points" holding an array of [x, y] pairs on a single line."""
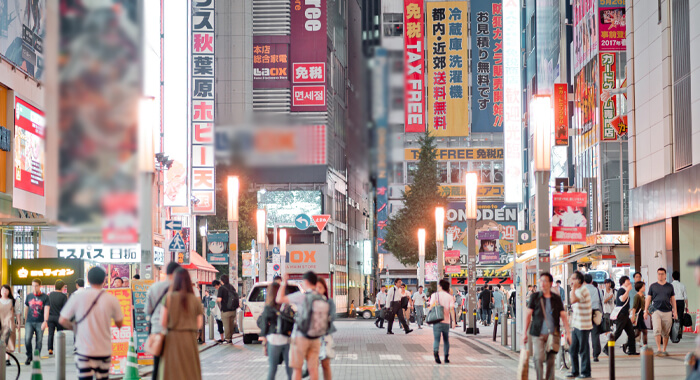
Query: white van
{"points": [[253, 306]]}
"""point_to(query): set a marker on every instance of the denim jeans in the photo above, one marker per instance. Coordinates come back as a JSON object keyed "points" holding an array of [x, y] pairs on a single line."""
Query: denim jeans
{"points": [[29, 329], [580, 348], [420, 315], [444, 329], [276, 355], [53, 326], [595, 340]]}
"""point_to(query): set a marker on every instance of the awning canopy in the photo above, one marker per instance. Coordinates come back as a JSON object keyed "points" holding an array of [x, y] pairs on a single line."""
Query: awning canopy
{"points": [[197, 262], [494, 281]]}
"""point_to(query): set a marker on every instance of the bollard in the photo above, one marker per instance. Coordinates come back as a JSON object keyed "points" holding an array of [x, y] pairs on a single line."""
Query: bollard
{"points": [[60, 355], [464, 320], [513, 336], [504, 331], [2, 362], [211, 326], [474, 329], [495, 327], [689, 362], [611, 353], [647, 356]]}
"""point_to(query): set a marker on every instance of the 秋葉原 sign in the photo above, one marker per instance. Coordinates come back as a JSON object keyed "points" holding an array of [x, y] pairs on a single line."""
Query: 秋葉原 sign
{"points": [[23, 271]]}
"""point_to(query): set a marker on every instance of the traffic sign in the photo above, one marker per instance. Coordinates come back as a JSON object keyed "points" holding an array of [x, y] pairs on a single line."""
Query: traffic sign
{"points": [[173, 225], [302, 221], [524, 237], [276, 267], [321, 221], [177, 244], [275, 251]]}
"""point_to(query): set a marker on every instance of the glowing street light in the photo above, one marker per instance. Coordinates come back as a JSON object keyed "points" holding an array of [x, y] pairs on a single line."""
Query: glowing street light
{"points": [[440, 239], [421, 256], [283, 249], [470, 186], [233, 189], [541, 120]]}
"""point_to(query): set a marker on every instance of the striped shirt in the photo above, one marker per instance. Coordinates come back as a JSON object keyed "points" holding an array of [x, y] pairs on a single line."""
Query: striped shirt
{"points": [[581, 316]]}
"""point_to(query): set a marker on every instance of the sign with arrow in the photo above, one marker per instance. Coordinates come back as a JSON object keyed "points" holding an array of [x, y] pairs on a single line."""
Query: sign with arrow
{"points": [[302, 221], [173, 225], [177, 244], [321, 221]]}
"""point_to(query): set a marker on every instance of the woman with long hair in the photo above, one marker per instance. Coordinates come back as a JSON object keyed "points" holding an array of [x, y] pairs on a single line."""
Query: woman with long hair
{"points": [[7, 319], [327, 352], [181, 317], [275, 343], [442, 297]]}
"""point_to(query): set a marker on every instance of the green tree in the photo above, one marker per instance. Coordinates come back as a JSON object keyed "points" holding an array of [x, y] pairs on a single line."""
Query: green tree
{"points": [[419, 208]]}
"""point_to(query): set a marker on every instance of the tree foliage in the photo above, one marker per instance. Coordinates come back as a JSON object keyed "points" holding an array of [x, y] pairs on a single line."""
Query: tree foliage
{"points": [[419, 208]]}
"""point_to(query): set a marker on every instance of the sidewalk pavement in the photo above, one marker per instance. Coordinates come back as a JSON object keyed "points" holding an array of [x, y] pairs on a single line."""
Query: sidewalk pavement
{"points": [[626, 367]]}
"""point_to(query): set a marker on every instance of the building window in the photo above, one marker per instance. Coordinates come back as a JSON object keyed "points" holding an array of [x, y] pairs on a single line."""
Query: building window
{"points": [[393, 24], [442, 171], [398, 173], [682, 116], [455, 172], [498, 172], [412, 167], [483, 169]]}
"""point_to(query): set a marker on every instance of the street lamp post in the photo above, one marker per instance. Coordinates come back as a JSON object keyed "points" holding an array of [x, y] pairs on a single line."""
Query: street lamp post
{"points": [[440, 240], [262, 252], [421, 256], [283, 250], [203, 234], [232, 216], [470, 184], [541, 117]]}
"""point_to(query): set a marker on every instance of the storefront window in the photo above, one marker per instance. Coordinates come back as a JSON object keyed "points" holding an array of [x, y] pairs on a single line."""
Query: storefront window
{"points": [[442, 171], [483, 168], [412, 167], [455, 173], [23, 243], [498, 172]]}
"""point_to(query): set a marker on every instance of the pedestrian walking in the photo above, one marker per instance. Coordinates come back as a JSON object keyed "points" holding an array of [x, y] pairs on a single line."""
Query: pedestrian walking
{"points": [[312, 322], [623, 322], [511, 301], [419, 299], [485, 301], [181, 317], [380, 307], [154, 305], [596, 313], [637, 313], [227, 296], [38, 306], [581, 326], [443, 298], [406, 303], [57, 300], [216, 312], [8, 319], [327, 351], [544, 312], [394, 309], [559, 289], [661, 304], [79, 285], [608, 296], [680, 294], [637, 277], [89, 314], [498, 301], [275, 340]]}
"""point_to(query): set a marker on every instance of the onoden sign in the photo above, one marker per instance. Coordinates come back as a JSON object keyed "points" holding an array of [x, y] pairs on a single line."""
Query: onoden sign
{"points": [[302, 258]]}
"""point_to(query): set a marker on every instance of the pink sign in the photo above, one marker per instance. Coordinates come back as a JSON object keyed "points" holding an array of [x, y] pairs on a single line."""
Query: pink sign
{"points": [[612, 29], [309, 96]]}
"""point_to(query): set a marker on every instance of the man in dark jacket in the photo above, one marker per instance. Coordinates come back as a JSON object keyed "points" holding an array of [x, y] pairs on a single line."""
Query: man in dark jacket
{"points": [[227, 296], [57, 300]]}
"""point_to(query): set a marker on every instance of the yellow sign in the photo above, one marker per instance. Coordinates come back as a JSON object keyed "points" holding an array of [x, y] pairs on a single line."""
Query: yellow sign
{"points": [[457, 191], [458, 154], [63, 272]]}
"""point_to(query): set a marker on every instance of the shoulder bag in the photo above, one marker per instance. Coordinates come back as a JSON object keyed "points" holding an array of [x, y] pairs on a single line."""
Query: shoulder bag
{"points": [[553, 340], [436, 313], [616, 311], [154, 343]]}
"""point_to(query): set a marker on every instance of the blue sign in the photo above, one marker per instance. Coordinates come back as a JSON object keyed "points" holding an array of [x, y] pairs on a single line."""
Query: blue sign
{"points": [[302, 221], [177, 244], [275, 251], [173, 225], [487, 66]]}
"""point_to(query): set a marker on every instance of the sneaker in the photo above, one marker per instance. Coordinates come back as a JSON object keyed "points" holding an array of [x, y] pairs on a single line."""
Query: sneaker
{"points": [[28, 362], [665, 353], [659, 353], [389, 333], [409, 331], [571, 374]]}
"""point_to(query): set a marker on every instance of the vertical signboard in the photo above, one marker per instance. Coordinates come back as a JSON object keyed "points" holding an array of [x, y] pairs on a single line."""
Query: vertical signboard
{"points": [[585, 35], [380, 85], [487, 66], [608, 105], [121, 336], [217, 248], [561, 114], [447, 63], [612, 25], [139, 289], [22, 30], [270, 62], [512, 103], [414, 74], [585, 97], [202, 112], [308, 55], [29, 158], [569, 218]]}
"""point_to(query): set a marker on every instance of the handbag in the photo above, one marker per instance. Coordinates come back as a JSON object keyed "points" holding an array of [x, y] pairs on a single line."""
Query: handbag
{"points": [[597, 317], [605, 323], [687, 320], [616, 311], [436, 313], [676, 331], [155, 342], [524, 365], [553, 341]]}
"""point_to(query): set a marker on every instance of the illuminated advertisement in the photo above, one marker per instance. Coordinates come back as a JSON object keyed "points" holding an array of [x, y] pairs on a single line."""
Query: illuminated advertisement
{"points": [[458, 191], [270, 62], [202, 111], [487, 66], [561, 114], [121, 336], [283, 206], [100, 253], [612, 25], [29, 149], [217, 248], [414, 56], [139, 289], [512, 102], [568, 218], [585, 34], [23, 271], [460, 154], [585, 94], [302, 258], [608, 107], [176, 103], [22, 31], [309, 47], [447, 63], [380, 84]]}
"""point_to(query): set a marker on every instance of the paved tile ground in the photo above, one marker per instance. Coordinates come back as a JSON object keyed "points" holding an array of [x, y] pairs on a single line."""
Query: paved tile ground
{"points": [[366, 352]]}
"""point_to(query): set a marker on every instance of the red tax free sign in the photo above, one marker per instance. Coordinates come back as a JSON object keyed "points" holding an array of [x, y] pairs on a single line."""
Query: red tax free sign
{"points": [[309, 72], [414, 56]]}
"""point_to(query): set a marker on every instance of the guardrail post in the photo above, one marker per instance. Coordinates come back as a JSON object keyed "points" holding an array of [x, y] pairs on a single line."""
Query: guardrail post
{"points": [[474, 329], [504, 330], [611, 353], [60, 355]]}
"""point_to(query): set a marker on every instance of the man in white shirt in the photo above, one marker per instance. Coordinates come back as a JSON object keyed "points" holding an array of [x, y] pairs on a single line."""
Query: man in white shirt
{"points": [[418, 300], [379, 306], [393, 300], [93, 310], [681, 295]]}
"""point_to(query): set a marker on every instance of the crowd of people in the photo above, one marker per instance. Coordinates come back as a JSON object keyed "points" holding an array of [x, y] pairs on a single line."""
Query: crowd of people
{"points": [[599, 311]]}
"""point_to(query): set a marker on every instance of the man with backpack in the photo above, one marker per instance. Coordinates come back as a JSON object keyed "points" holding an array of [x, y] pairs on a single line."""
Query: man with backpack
{"points": [[227, 296], [312, 322], [154, 302]]}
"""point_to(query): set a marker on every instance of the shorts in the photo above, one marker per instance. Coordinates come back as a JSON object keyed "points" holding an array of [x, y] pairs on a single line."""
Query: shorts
{"points": [[302, 349], [662, 322]]}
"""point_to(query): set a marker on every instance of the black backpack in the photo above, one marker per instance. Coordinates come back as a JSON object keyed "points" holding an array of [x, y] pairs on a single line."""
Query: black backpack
{"points": [[285, 320], [233, 301]]}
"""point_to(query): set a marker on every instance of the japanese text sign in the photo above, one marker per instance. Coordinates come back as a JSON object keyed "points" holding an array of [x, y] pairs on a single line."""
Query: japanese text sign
{"points": [[487, 66], [561, 114], [612, 25], [270, 62], [308, 54], [608, 106], [121, 336], [569, 218], [512, 103], [414, 57]]}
